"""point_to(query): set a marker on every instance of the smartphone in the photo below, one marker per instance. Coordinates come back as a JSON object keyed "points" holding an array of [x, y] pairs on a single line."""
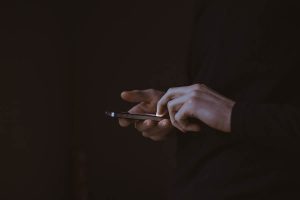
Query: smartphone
{"points": [[127, 115]]}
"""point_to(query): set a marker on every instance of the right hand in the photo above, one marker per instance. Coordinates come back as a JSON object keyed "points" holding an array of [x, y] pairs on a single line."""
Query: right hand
{"points": [[147, 103]]}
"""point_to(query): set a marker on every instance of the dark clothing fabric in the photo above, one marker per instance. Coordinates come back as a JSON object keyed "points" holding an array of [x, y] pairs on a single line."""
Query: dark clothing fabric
{"points": [[248, 51]]}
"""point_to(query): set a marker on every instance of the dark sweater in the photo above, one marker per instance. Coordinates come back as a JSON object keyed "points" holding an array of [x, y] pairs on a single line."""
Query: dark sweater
{"points": [[247, 50]]}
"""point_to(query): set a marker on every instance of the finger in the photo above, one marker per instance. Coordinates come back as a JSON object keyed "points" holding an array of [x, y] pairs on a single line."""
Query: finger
{"points": [[164, 124], [162, 103], [125, 122], [136, 96], [173, 106], [192, 127], [134, 110], [169, 95], [161, 129], [182, 118], [145, 126], [182, 115]]}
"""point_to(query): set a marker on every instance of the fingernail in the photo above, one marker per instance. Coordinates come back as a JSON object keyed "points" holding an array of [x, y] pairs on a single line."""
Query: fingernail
{"points": [[164, 123], [159, 115], [124, 94]]}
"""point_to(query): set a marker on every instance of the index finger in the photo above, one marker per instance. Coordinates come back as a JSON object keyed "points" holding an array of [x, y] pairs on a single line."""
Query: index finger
{"points": [[136, 96], [170, 94], [125, 122]]}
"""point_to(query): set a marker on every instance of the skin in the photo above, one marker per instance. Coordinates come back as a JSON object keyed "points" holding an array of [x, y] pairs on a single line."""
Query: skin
{"points": [[146, 103], [196, 102], [182, 104]]}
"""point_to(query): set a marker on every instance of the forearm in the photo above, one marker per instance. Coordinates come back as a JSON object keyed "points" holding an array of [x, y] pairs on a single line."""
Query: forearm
{"points": [[265, 120]]}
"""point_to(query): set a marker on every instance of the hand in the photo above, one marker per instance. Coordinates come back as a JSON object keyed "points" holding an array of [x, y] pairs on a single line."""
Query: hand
{"points": [[196, 102], [147, 102]]}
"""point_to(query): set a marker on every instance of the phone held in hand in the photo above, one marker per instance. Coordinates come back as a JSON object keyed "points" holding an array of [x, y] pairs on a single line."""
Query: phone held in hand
{"points": [[127, 115]]}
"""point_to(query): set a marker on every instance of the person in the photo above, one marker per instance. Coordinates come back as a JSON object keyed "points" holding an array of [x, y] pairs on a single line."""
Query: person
{"points": [[238, 115]]}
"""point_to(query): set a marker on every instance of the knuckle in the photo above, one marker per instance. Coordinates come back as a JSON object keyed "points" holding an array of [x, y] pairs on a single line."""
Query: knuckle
{"points": [[139, 127], [199, 86], [170, 90], [194, 93], [192, 100], [169, 105], [184, 126], [151, 90], [196, 86]]}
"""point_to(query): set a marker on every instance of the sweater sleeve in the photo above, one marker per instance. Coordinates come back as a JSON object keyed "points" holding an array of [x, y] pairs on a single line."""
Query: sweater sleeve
{"points": [[279, 53], [265, 120]]}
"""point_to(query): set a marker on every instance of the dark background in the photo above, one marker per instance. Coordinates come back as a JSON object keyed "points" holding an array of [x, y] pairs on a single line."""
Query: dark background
{"points": [[62, 64]]}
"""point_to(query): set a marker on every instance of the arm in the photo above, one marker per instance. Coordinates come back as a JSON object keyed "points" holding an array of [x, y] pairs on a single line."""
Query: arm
{"points": [[222, 114], [265, 120]]}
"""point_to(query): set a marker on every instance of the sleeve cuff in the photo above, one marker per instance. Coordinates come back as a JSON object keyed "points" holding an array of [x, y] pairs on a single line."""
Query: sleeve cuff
{"points": [[237, 119]]}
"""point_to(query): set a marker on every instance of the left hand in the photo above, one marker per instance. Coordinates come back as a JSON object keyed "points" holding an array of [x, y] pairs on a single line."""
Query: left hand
{"points": [[147, 101], [196, 102]]}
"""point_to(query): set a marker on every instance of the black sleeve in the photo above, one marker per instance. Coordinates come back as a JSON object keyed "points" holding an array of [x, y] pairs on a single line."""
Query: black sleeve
{"points": [[265, 120], [280, 51]]}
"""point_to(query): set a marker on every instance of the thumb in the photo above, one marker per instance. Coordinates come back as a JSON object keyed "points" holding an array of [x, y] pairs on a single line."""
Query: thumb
{"points": [[136, 96]]}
